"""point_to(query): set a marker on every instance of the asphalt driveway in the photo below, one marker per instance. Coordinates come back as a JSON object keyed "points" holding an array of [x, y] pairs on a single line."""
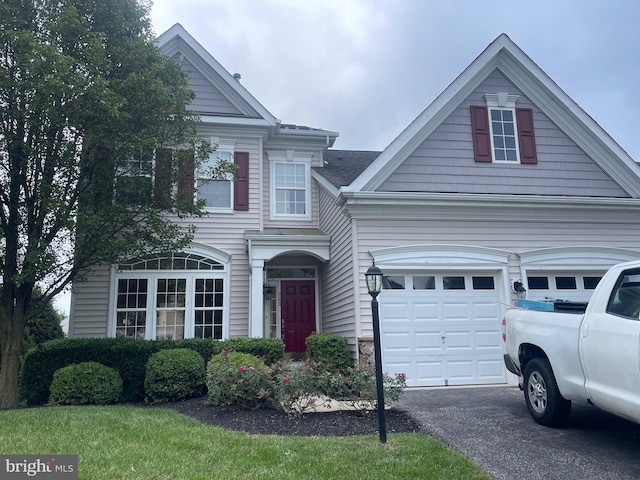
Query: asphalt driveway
{"points": [[492, 427]]}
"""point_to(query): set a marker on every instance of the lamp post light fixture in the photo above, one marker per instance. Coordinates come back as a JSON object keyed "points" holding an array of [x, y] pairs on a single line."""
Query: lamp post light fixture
{"points": [[374, 286]]}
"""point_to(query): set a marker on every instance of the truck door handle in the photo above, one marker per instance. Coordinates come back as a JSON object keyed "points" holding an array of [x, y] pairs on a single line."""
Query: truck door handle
{"points": [[584, 330]]}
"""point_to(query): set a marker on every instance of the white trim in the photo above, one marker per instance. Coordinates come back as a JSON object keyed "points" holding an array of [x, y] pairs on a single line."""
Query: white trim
{"points": [[289, 157], [265, 247], [433, 256], [448, 206], [575, 258], [515, 135]]}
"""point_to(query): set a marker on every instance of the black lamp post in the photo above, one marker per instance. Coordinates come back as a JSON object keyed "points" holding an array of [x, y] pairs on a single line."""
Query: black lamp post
{"points": [[374, 286]]}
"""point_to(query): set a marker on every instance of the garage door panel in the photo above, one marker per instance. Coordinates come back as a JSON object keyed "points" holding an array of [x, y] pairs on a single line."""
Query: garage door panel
{"points": [[488, 311], [456, 311], [395, 311], [398, 342], [489, 339], [426, 312], [428, 373], [490, 369], [455, 341], [428, 342]]}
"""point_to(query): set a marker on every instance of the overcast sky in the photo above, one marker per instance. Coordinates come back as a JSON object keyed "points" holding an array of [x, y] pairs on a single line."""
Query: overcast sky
{"points": [[367, 68]]}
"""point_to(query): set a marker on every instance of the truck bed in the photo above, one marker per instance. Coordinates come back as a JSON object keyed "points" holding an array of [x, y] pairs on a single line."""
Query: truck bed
{"points": [[552, 305]]}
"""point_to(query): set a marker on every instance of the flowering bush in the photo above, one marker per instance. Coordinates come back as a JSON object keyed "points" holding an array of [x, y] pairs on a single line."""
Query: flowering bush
{"points": [[307, 386], [245, 382], [239, 379]]}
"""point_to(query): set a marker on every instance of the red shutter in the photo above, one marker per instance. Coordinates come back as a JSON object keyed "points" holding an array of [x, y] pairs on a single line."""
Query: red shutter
{"points": [[241, 183], [162, 185], [186, 177], [526, 137], [480, 131]]}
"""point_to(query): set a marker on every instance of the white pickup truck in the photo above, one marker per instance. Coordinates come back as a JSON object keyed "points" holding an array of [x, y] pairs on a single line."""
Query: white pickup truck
{"points": [[591, 354]]}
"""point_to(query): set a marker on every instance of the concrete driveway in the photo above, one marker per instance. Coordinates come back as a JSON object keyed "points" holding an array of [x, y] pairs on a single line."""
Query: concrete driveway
{"points": [[492, 427]]}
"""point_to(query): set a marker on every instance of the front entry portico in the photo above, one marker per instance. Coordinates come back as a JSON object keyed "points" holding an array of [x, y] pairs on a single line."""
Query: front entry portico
{"points": [[295, 306]]}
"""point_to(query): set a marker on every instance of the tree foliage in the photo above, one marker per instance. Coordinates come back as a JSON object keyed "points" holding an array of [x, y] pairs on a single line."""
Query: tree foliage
{"points": [[85, 100]]}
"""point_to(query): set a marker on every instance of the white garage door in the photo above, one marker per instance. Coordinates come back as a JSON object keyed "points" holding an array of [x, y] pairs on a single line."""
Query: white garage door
{"points": [[573, 286], [442, 328]]}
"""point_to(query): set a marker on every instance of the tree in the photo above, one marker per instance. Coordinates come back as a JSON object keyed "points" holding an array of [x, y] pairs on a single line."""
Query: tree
{"points": [[90, 113], [45, 325]]}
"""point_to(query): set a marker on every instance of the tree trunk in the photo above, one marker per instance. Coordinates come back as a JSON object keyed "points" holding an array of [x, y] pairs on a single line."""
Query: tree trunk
{"points": [[11, 340]]}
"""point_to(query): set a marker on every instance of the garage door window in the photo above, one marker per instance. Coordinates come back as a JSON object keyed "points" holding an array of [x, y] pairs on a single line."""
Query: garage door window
{"points": [[393, 282], [483, 283], [566, 283], [424, 282], [538, 283], [590, 283], [453, 283]]}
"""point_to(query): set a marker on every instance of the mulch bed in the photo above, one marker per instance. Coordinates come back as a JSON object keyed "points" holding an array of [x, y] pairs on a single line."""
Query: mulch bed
{"points": [[342, 423]]}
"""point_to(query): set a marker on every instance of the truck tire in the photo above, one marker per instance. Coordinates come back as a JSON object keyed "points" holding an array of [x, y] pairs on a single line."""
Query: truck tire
{"points": [[544, 401]]}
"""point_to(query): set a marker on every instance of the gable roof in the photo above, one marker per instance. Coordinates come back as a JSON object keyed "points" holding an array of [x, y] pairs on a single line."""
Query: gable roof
{"points": [[177, 41], [240, 107], [504, 55]]}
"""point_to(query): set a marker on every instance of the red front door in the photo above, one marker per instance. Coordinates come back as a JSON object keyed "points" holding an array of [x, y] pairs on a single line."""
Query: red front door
{"points": [[298, 313]]}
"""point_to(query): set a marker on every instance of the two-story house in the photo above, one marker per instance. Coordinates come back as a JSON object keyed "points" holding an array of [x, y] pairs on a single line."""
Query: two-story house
{"points": [[502, 180]]}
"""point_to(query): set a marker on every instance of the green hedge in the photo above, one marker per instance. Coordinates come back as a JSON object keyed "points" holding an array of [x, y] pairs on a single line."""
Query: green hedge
{"points": [[129, 357], [329, 351]]}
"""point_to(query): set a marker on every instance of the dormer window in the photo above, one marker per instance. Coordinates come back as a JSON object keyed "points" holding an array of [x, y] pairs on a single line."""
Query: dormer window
{"points": [[503, 133]]}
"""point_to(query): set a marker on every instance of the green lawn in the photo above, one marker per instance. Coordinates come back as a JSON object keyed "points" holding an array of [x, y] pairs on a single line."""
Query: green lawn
{"points": [[121, 442]]}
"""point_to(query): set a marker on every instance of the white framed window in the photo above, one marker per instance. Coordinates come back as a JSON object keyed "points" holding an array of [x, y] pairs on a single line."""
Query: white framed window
{"points": [[504, 140], [171, 298], [217, 194], [134, 180], [290, 184], [503, 127]]}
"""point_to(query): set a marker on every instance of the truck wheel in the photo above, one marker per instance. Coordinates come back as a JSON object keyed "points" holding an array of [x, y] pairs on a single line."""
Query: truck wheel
{"points": [[544, 401]]}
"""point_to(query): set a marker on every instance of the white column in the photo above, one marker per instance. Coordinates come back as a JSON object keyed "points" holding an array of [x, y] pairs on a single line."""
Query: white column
{"points": [[256, 324]]}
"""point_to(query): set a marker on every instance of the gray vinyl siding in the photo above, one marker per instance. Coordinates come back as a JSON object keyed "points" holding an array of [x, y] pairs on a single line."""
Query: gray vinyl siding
{"points": [[90, 301], [512, 236], [208, 99], [338, 289], [445, 162]]}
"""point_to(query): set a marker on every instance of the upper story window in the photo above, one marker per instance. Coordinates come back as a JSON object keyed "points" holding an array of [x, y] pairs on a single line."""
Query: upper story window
{"points": [[134, 181], [217, 194], [503, 133], [290, 184], [504, 142]]}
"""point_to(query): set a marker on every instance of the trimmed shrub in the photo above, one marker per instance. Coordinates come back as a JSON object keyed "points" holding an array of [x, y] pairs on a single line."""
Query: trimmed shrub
{"points": [[240, 379], [128, 356], [269, 349], [329, 351], [174, 374], [86, 383]]}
